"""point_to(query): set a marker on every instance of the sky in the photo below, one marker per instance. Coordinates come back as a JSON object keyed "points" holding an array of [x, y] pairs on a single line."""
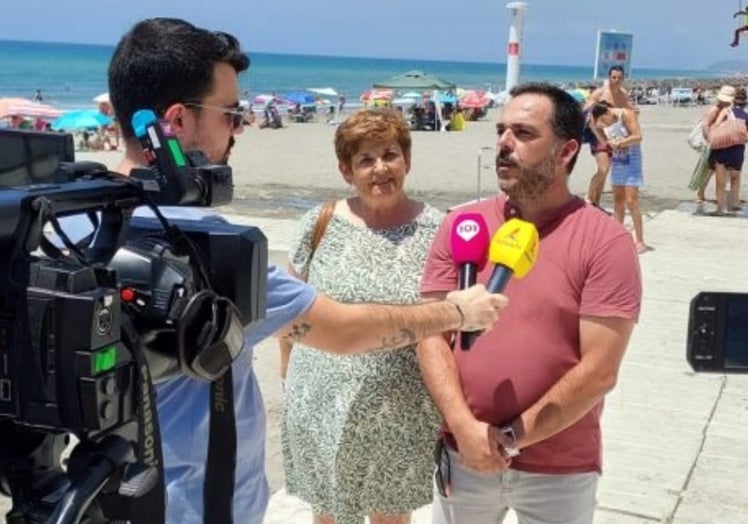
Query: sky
{"points": [[667, 34]]}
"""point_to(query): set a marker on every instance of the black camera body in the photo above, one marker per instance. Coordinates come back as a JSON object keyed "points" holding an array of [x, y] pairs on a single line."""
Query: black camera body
{"points": [[86, 328], [718, 332]]}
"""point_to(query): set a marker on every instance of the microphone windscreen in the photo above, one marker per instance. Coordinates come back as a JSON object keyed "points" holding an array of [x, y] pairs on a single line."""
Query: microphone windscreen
{"points": [[469, 240], [141, 120], [515, 246]]}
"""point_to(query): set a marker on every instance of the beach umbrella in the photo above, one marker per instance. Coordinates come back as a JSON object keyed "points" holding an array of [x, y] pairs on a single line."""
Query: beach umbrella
{"points": [[474, 100], [7, 103], [324, 91], [263, 99], [81, 119], [576, 95], [102, 98], [33, 110], [299, 97], [377, 94], [403, 101], [447, 97]]}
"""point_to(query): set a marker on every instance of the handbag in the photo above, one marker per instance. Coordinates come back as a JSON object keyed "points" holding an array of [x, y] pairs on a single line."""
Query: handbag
{"points": [[728, 133]]}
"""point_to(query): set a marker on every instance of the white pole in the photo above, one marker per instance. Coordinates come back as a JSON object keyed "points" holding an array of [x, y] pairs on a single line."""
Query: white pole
{"points": [[514, 47]]}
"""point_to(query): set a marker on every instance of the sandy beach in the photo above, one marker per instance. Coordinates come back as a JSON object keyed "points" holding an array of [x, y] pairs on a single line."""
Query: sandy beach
{"points": [[279, 174], [283, 172]]}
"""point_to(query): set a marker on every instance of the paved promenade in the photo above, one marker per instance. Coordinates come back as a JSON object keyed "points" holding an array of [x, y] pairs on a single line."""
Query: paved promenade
{"points": [[676, 443]]}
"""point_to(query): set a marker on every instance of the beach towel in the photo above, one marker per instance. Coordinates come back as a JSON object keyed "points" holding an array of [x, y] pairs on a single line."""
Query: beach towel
{"points": [[701, 171]]}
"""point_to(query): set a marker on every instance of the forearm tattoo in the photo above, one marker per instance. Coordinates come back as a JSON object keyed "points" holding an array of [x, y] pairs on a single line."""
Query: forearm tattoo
{"points": [[298, 331]]}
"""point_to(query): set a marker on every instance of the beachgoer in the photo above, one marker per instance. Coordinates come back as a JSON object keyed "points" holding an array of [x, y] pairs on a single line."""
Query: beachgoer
{"points": [[744, 27], [189, 76], [614, 94], [341, 102], [623, 134], [728, 161], [358, 431], [723, 100], [535, 383], [38, 96]]}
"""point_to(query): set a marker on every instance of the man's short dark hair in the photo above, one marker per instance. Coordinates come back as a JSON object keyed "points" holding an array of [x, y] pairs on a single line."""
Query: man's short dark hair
{"points": [[616, 67], [162, 61], [567, 119]]}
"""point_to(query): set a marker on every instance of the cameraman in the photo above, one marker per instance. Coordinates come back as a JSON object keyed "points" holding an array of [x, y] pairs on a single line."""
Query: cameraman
{"points": [[189, 77]]}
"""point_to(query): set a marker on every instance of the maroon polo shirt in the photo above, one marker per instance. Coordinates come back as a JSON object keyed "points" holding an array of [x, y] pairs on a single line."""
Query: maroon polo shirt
{"points": [[587, 265]]}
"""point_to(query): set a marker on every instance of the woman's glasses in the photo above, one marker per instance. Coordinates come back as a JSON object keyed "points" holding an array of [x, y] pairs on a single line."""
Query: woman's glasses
{"points": [[236, 114]]}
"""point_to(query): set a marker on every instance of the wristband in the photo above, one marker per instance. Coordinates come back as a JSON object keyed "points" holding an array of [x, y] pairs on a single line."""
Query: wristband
{"points": [[508, 431]]}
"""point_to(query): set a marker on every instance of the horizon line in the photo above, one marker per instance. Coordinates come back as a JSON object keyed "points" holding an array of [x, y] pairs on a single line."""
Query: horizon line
{"points": [[466, 61]]}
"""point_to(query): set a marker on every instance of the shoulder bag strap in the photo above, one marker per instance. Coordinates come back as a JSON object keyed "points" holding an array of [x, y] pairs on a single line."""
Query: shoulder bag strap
{"points": [[320, 227]]}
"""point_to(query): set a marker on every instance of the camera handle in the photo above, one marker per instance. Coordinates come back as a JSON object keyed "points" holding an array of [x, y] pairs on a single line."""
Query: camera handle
{"points": [[99, 463]]}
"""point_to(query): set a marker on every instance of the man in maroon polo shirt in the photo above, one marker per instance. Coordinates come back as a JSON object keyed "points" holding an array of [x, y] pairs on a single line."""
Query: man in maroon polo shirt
{"points": [[535, 383]]}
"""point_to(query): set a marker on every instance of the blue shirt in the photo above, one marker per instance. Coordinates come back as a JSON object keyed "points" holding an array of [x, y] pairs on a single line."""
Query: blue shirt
{"points": [[183, 404], [183, 411]]}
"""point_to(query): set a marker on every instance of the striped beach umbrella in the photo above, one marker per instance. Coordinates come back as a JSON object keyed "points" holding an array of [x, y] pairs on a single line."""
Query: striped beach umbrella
{"points": [[7, 103], [33, 110]]}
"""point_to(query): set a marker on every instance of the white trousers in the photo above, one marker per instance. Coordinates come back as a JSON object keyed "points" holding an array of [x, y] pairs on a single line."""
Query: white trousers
{"points": [[485, 498]]}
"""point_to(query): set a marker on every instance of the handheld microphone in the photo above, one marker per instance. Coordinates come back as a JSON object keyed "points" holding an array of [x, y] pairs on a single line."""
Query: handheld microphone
{"points": [[469, 244], [513, 251]]}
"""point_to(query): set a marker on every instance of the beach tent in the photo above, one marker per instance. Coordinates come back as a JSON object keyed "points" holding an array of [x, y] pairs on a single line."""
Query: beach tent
{"points": [[418, 80]]}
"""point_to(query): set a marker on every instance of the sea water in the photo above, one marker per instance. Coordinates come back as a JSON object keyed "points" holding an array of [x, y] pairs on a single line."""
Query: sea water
{"points": [[70, 75]]}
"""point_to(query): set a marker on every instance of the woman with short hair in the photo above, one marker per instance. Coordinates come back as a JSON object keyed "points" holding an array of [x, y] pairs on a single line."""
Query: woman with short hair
{"points": [[358, 432]]}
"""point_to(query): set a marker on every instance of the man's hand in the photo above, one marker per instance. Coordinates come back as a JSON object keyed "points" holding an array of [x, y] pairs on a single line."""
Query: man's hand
{"points": [[479, 307], [481, 447]]}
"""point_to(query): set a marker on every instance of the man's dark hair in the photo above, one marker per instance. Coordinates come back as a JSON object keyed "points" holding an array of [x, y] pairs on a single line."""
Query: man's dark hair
{"points": [[618, 68], [567, 119], [163, 61]]}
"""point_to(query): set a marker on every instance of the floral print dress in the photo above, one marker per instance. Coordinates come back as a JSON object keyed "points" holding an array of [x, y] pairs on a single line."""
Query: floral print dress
{"points": [[358, 431]]}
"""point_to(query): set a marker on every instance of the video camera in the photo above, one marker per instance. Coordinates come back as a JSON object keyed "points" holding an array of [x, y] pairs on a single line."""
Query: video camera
{"points": [[718, 332], [88, 324]]}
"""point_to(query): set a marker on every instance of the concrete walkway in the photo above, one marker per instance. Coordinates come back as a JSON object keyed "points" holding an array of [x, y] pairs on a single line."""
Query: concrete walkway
{"points": [[676, 443]]}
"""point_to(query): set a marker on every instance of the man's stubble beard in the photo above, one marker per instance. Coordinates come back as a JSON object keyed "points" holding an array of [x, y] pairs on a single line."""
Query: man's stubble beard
{"points": [[533, 181]]}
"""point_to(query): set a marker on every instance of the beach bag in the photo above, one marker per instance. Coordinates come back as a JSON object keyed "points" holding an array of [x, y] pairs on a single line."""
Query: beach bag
{"points": [[702, 171], [728, 133], [696, 139]]}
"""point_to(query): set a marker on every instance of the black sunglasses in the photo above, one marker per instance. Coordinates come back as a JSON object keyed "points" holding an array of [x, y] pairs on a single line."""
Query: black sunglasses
{"points": [[237, 114], [443, 473]]}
